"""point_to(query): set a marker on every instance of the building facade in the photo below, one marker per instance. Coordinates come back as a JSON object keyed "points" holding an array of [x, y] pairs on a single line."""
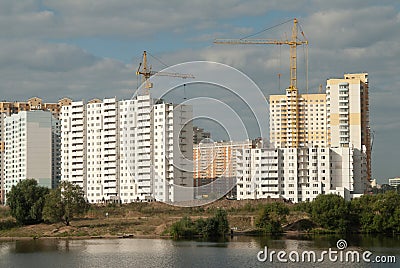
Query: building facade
{"points": [[128, 151], [337, 120], [32, 104], [214, 166], [199, 134], [2, 155], [298, 120], [31, 146], [348, 114], [299, 174], [394, 182]]}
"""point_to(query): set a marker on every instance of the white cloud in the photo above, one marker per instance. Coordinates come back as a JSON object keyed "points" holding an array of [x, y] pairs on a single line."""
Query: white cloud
{"points": [[55, 70], [345, 36]]}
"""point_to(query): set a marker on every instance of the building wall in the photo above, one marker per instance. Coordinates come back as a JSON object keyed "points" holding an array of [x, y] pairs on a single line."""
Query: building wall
{"points": [[348, 113], [216, 159], [2, 155], [394, 182], [199, 134], [32, 104], [214, 167], [124, 151], [299, 174], [258, 173], [128, 186], [182, 148], [102, 167], [298, 120], [29, 148], [73, 143]]}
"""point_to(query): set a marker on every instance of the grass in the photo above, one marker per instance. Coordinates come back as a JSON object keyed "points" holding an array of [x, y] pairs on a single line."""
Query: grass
{"points": [[139, 219]]}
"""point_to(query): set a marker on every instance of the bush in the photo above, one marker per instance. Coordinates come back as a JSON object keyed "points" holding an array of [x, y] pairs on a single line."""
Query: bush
{"points": [[331, 212], [271, 217], [378, 213], [216, 226]]}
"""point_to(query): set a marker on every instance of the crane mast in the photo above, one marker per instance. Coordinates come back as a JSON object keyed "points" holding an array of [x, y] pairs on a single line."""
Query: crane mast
{"points": [[146, 72], [293, 43]]}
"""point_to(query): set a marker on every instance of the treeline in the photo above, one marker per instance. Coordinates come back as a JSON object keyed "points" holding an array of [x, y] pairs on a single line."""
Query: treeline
{"points": [[326, 214], [331, 213], [213, 227], [31, 204]]}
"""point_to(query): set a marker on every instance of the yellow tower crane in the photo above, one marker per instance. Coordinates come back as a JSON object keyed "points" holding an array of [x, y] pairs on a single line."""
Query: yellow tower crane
{"points": [[293, 43], [146, 72], [293, 136]]}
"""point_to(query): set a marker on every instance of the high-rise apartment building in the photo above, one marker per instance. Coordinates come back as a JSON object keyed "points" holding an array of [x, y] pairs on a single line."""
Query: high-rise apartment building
{"points": [[216, 159], [337, 119], [102, 148], [2, 155], [31, 146], [73, 143], [8, 109], [298, 120], [135, 149], [348, 113], [127, 151], [172, 141], [299, 174], [32, 104], [214, 166], [199, 134]]}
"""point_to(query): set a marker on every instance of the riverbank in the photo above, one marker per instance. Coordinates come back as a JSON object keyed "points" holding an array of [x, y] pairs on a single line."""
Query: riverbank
{"points": [[142, 220]]}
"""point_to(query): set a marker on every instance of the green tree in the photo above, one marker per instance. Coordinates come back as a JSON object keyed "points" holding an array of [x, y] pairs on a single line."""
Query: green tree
{"points": [[183, 228], [216, 226], [63, 203], [26, 201], [271, 217], [213, 227], [331, 211], [378, 213]]}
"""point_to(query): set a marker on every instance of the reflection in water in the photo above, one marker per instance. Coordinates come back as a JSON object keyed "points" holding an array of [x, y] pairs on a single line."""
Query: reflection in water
{"points": [[238, 251], [32, 246]]}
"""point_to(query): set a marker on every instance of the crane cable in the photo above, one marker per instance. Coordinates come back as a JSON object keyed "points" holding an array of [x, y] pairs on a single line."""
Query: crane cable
{"points": [[266, 29]]}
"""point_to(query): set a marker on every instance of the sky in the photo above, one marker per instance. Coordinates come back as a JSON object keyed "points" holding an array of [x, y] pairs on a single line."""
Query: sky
{"points": [[91, 49]]}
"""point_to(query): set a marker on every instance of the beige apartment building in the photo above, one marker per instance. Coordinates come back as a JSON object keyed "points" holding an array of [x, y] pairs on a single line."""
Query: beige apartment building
{"points": [[32, 104], [216, 159], [337, 118], [298, 120], [348, 113]]}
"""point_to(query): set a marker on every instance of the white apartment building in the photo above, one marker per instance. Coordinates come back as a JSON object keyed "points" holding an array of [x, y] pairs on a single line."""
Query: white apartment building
{"points": [[299, 174], [348, 114], [135, 149], [102, 143], [31, 149], [73, 143], [172, 142], [2, 151], [128, 151]]}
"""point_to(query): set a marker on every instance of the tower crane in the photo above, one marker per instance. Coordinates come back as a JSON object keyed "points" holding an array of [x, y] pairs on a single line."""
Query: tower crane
{"points": [[146, 72], [293, 43]]}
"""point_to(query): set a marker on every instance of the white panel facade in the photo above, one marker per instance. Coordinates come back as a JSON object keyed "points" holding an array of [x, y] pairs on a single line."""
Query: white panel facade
{"points": [[30, 149], [124, 151], [102, 167], [73, 143], [299, 174]]}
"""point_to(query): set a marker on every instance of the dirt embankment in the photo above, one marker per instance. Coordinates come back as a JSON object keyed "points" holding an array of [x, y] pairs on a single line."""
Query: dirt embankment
{"points": [[141, 220]]}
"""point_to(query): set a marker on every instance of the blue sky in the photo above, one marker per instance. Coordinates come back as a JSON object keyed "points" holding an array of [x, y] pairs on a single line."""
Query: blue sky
{"points": [[88, 49]]}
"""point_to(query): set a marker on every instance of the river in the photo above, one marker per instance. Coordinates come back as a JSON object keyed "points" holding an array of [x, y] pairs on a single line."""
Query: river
{"points": [[238, 251]]}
